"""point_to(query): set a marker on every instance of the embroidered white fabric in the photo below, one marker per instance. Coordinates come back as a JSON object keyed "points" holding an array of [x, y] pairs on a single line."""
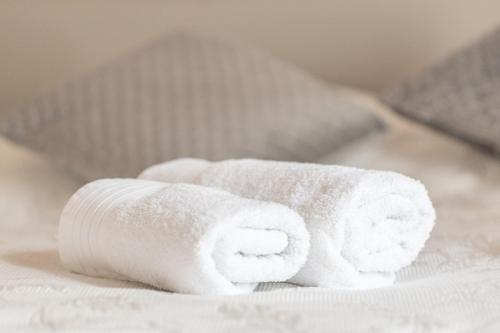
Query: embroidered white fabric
{"points": [[454, 286]]}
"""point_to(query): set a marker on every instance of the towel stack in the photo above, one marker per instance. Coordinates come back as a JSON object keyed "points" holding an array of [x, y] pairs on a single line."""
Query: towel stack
{"points": [[202, 227]]}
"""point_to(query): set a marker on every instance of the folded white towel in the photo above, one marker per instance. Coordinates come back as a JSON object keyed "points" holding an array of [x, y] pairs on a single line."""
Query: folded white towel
{"points": [[364, 224], [181, 237]]}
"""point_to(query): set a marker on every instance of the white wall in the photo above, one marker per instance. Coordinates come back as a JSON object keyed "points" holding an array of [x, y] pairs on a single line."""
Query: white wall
{"points": [[364, 43]]}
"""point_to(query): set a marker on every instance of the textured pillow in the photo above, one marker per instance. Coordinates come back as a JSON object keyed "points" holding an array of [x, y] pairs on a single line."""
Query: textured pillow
{"points": [[460, 96], [186, 95]]}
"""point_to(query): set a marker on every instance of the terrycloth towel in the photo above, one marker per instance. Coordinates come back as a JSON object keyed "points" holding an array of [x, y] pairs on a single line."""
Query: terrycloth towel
{"points": [[180, 237], [364, 224]]}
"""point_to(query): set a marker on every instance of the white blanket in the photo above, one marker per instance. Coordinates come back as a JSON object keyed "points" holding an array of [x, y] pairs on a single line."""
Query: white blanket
{"points": [[453, 286], [180, 237]]}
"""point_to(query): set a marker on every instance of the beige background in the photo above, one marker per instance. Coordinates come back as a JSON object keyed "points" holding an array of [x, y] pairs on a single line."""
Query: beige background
{"points": [[367, 44]]}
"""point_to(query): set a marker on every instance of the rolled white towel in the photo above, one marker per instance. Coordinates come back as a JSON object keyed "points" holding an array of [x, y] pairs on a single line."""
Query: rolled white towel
{"points": [[180, 237], [364, 224]]}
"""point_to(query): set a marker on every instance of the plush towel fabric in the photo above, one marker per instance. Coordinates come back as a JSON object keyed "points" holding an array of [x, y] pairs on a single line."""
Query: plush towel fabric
{"points": [[364, 225], [180, 237]]}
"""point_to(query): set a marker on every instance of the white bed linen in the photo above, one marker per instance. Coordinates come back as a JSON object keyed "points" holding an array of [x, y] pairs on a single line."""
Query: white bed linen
{"points": [[454, 286]]}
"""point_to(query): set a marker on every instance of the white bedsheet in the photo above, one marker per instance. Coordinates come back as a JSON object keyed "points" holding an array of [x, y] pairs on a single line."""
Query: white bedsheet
{"points": [[454, 286]]}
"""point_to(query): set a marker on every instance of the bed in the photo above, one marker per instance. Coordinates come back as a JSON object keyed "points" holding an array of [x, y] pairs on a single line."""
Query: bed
{"points": [[454, 285]]}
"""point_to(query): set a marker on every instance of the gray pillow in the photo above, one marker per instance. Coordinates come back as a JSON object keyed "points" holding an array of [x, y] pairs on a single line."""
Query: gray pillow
{"points": [[186, 95], [460, 95]]}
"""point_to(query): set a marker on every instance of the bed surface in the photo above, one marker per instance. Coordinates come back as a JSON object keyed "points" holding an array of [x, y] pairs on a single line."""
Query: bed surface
{"points": [[454, 286]]}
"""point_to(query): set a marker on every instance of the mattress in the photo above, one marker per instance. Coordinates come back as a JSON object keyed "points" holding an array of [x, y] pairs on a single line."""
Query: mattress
{"points": [[454, 285]]}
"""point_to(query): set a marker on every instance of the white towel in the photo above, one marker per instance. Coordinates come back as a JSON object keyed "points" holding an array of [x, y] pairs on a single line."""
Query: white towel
{"points": [[180, 237], [364, 224]]}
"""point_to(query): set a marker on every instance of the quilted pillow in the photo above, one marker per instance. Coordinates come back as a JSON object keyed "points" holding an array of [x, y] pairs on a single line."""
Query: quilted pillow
{"points": [[186, 95], [460, 96]]}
